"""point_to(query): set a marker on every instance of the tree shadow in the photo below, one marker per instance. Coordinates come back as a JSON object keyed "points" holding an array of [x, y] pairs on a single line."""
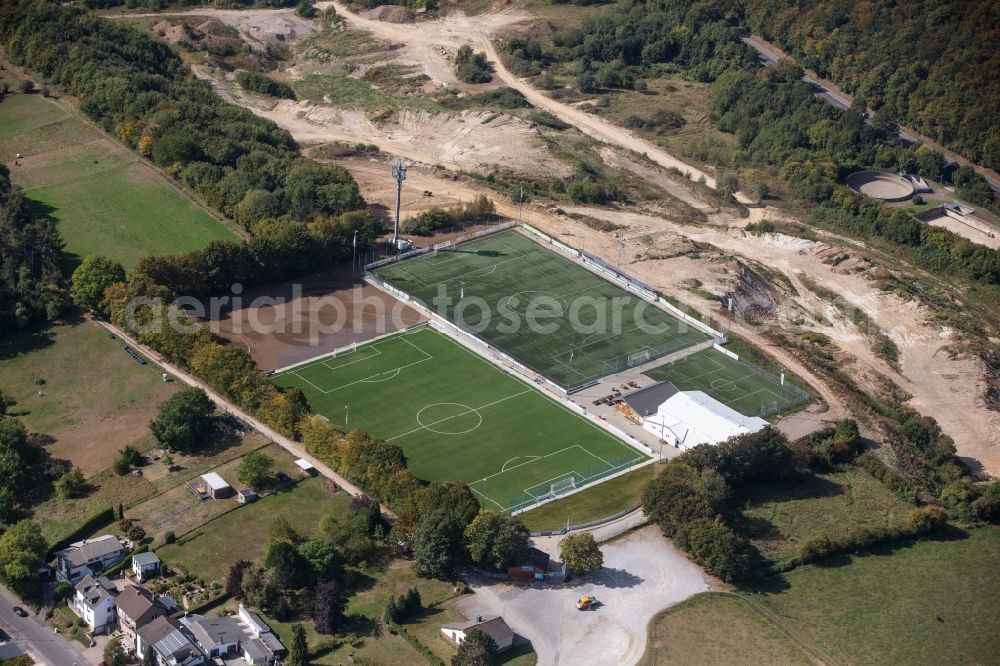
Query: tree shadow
{"points": [[358, 581], [520, 648], [25, 342], [615, 578], [803, 486]]}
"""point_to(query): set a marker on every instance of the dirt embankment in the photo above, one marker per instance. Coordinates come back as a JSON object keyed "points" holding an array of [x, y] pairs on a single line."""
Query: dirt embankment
{"points": [[949, 389]]}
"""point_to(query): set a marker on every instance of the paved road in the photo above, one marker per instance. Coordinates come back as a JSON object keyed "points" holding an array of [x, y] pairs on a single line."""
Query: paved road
{"points": [[35, 637]]}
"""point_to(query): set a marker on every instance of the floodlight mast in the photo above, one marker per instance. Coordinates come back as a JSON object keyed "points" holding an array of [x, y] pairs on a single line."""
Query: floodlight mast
{"points": [[399, 175]]}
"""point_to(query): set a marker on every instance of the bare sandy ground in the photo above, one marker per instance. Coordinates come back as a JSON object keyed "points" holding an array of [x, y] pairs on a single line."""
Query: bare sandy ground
{"points": [[466, 140], [299, 320], [458, 29], [947, 389], [643, 574]]}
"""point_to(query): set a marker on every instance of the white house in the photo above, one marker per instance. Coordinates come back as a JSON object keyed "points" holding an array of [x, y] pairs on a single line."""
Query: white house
{"points": [[89, 558], [145, 565], [492, 625], [94, 602], [217, 636], [686, 418], [259, 645]]}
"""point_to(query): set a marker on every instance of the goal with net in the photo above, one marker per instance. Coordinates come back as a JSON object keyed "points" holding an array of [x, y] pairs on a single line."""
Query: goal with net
{"points": [[562, 486], [638, 358]]}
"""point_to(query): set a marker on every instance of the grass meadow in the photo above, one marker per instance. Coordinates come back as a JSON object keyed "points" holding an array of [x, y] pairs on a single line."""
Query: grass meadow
{"points": [[103, 198]]}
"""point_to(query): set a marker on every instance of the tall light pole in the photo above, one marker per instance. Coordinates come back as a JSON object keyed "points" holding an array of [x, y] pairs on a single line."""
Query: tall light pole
{"points": [[399, 174], [621, 244], [347, 412], [354, 253]]}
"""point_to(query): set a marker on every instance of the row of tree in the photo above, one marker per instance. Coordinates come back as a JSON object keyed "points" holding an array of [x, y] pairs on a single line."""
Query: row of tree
{"points": [[32, 288]]}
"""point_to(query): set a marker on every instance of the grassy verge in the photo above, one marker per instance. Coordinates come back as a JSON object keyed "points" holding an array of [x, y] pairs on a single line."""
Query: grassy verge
{"points": [[691, 633], [602, 500]]}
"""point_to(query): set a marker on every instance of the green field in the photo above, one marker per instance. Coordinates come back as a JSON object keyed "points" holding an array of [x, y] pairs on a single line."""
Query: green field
{"points": [[103, 198], [460, 418], [929, 602], [207, 552], [747, 389], [584, 326], [779, 517]]}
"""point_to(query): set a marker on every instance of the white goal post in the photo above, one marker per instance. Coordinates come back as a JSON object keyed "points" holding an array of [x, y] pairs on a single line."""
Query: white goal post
{"points": [[562, 486], [638, 358]]}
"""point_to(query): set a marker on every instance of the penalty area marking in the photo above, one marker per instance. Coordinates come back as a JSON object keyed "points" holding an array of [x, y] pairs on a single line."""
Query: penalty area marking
{"points": [[504, 468]]}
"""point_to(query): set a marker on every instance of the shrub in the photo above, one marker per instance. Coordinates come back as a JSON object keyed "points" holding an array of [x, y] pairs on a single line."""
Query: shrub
{"points": [[925, 519], [264, 85]]}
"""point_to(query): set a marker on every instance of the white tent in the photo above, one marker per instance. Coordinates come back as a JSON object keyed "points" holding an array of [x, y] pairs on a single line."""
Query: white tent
{"points": [[690, 418]]}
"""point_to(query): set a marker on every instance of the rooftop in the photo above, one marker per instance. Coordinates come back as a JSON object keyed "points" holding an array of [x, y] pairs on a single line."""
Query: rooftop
{"points": [[213, 631], [145, 559], [95, 590], [492, 625], [214, 481], [92, 550], [646, 401]]}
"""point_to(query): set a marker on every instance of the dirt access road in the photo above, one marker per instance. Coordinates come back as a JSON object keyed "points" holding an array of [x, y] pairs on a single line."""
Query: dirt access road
{"points": [[478, 31]]}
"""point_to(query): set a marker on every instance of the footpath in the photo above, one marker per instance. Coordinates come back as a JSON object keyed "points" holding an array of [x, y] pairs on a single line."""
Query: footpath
{"points": [[224, 405]]}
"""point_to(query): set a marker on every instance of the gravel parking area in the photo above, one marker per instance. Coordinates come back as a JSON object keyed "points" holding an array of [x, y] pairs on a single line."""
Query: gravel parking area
{"points": [[643, 574]]}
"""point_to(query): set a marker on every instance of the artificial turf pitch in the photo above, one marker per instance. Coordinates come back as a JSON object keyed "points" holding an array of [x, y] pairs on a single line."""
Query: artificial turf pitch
{"points": [[730, 382], [460, 418], [599, 328]]}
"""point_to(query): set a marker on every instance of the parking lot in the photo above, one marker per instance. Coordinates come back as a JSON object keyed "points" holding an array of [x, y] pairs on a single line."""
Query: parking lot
{"points": [[643, 573]]}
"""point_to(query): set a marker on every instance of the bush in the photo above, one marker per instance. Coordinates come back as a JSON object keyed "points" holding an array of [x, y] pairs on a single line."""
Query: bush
{"points": [[472, 67], [264, 85], [169, 538], [925, 520]]}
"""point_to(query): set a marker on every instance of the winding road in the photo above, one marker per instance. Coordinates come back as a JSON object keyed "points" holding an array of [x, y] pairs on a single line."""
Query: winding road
{"points": [[457, 30]]}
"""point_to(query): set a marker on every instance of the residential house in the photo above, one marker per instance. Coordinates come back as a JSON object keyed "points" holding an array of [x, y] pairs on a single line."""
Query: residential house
{"points": [[492, 625], [170, 642], [89, 557], [260, 646], [217, 636], [145, 565], [137, 607], [94, 602]]}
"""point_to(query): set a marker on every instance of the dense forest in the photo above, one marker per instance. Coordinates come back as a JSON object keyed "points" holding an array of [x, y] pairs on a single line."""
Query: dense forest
{"points": [[31, 287], [929, 65]]}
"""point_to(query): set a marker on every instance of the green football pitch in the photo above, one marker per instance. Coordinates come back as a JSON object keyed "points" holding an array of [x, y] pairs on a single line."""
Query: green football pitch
{"points": [[749, 391], [586, 327], [458, 417]]}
